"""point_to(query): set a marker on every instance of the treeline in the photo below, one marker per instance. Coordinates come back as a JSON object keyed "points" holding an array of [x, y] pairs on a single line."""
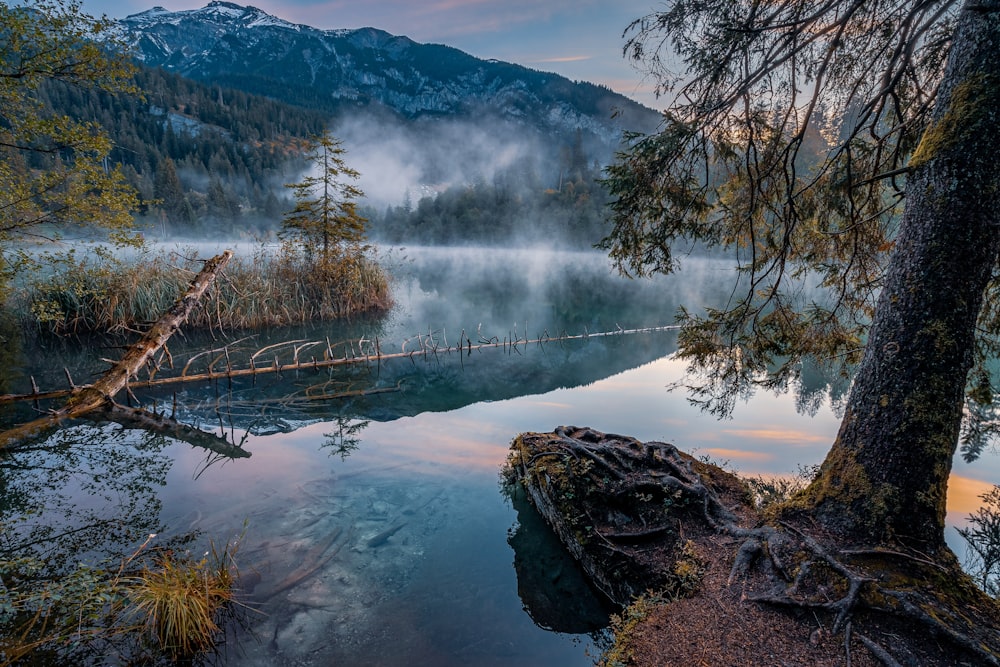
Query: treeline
{"points": [[212, 160], [566, 207], [203, 158]]}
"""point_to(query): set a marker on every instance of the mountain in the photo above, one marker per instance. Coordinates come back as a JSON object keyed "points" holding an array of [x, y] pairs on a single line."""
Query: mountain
{"points": [[342, 71]]}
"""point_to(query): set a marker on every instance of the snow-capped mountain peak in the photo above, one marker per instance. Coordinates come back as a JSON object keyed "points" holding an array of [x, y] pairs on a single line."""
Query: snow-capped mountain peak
{"points": [[245, 47]]}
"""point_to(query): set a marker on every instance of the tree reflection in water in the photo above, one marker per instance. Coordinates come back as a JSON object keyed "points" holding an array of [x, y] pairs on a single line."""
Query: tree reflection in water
{"points": [[79, 515]]}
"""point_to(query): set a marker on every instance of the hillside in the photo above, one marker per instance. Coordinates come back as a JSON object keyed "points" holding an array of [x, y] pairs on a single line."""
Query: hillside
{"points": [[343, 71], [451, 148], [204, 159]]}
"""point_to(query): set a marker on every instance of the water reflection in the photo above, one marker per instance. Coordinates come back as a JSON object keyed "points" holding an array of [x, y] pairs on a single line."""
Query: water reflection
{"points": [[91, 491], [81, 518], [375, 532], [556, 594]]}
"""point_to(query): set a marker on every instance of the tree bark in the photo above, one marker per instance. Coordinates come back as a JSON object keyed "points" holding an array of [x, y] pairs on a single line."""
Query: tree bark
{"points": [[885, 479], [115, 379]]}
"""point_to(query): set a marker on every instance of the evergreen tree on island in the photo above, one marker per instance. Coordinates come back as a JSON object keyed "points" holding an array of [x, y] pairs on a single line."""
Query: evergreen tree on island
{"points": [[325, 219]]}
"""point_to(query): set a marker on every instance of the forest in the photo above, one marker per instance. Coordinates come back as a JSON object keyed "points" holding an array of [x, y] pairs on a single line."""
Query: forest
{"points": [[519, 204], [203, 159], [208, 160]]}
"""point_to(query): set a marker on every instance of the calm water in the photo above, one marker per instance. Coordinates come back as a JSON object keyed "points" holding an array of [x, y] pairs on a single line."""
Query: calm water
{"points": [[374, 527]]}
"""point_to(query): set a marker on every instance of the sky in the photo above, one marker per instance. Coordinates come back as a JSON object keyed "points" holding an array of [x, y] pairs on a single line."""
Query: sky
{"points": [[579, 39]]}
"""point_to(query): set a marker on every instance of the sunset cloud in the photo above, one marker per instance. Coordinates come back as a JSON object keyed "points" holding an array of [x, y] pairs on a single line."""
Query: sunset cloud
{"points": [[721, 453], [777, 435], [964, 492]]}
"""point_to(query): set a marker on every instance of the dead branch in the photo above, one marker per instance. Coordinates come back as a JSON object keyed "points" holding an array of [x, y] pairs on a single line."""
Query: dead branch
{"points": [[427, 347], [84, 399]]}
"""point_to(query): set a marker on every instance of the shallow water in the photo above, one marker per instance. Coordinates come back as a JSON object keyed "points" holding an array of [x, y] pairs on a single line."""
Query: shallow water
{"points": [[375, 529]]}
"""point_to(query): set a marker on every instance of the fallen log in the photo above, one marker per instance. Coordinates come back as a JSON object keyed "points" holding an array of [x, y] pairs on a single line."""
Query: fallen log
{"points": [[427, 348], [313, 561], [86, 398], [151, 422]]}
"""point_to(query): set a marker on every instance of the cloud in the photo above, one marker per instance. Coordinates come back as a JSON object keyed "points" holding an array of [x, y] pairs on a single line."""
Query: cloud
{"points": [[785, 436], [435, 21], [560, 59], [964, 492], [738, 454]]}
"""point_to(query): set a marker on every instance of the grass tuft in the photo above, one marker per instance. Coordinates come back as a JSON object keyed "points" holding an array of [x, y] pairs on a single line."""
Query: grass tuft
{"points": [[170, 608], [179, 602]]}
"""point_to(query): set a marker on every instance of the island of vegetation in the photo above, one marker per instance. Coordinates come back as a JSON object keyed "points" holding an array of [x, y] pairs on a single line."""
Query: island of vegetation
{"points": [[850, 140]]}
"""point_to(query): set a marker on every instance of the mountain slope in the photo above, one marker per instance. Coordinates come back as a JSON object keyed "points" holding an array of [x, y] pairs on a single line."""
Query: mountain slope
{"points": [[341, 70]]}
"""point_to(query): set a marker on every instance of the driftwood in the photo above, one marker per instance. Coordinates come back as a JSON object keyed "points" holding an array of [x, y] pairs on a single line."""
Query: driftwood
{"points": [[88, 398], [366, 352], [312, 562]]}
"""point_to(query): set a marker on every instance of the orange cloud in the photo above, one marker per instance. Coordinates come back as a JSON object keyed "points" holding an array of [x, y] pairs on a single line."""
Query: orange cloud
{"points": [[722, 453], [964, 492], [777, 435]]}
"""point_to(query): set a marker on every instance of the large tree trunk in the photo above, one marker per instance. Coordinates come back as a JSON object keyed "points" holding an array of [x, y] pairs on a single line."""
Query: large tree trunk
{"points": [[885, 479]]}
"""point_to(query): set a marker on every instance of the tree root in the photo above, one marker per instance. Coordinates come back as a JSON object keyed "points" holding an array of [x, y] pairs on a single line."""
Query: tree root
{"points": [[613, 500]]}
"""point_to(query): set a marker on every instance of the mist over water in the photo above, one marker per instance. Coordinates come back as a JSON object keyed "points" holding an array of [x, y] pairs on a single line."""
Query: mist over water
{"points": [[376, 528], [423, 157]]}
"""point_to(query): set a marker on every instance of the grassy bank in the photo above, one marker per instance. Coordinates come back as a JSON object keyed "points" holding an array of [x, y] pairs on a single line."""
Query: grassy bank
{"points": [[266, 288]]}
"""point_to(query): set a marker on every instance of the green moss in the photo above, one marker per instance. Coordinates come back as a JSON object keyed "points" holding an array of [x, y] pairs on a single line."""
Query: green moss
{"points": [[688, 570], [844, 494], [971, 110], [624, 625], [563, 479], [841, 478]]}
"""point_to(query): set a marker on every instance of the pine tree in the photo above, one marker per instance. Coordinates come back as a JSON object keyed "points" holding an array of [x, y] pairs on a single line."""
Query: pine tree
{"points": [[852, 145], [325, 216]]}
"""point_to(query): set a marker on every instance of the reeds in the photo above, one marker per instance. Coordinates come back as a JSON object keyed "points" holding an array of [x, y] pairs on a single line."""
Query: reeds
{"points": [[179, 602], [266, 288]]}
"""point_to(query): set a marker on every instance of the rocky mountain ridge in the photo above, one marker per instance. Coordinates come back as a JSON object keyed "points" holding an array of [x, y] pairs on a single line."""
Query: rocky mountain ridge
{"points": [[345, 70]]}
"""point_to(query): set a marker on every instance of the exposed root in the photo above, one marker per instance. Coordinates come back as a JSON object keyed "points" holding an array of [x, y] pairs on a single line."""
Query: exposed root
{"points": [[876, 651], [913, 611], [614, 501]]}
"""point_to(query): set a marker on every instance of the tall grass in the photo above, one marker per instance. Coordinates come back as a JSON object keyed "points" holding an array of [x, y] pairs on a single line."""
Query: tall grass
{"points": [[267, 288], [170, 608], [179, 602]]}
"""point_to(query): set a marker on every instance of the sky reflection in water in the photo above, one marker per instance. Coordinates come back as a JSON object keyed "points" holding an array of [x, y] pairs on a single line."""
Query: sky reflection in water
{"points": [[454, 549], [421, 567]]}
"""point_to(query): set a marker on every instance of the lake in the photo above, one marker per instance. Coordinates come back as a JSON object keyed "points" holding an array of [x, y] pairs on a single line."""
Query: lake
{"points": [[373, 524]]}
